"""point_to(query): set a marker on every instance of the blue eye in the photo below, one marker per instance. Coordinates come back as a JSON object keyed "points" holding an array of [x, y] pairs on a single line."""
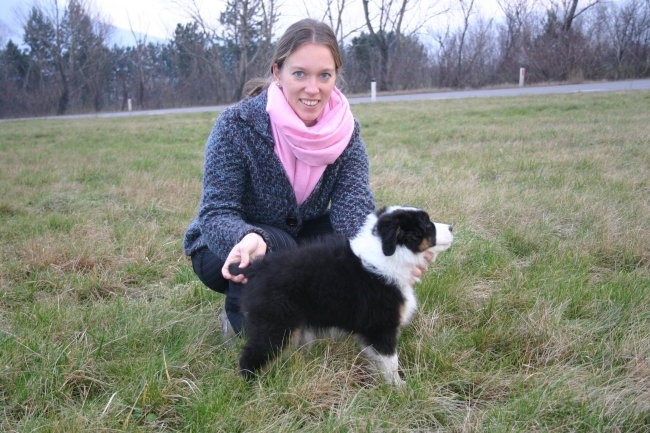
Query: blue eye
{"points": [[325, 76], [299, 74]]}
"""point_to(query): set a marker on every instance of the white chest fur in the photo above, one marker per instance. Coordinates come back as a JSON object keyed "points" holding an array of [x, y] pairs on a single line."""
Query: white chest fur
{"points": [[395, 268], [410, 305]]}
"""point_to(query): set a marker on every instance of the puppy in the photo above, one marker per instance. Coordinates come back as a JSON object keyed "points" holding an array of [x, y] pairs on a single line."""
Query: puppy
{"points": [[361, 286]]}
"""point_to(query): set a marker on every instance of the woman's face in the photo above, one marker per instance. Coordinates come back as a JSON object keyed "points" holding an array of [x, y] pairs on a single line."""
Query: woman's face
{"points": [[307, 79]]}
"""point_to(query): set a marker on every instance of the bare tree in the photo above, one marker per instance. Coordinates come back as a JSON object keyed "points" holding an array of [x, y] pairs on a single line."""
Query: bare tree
{"points": [[467, 8], [386, 21], [629, 35], [333, 15], [466, 54], [247, 30], [58, 52], [244, 37], [140, 59], [560, 49], [515, 34], [387, 24], [569, 10]]}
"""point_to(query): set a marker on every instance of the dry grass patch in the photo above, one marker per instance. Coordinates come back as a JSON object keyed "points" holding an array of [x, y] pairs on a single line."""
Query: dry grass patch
{"points": [[535, 320]]}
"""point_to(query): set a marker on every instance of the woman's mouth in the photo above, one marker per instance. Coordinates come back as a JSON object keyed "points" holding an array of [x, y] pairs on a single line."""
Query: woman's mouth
{"points": [[309, 102]]}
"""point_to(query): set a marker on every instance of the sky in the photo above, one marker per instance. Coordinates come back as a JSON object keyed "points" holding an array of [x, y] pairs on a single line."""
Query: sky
{"points": [[158, 18]]}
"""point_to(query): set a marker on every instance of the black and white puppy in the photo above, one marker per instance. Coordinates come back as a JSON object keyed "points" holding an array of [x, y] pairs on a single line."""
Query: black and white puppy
{"points": [[362, 286]]}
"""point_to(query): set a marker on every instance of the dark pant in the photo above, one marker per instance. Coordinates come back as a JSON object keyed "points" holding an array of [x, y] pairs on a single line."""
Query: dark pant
{"points": [[207, 265]]}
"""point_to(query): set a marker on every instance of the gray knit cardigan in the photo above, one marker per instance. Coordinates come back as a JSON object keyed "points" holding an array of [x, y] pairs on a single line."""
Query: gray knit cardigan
{"points": [[244, 183]]}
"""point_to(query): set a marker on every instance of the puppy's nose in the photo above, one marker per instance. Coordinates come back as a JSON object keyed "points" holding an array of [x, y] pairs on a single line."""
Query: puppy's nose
{"points": [[451, 229]]}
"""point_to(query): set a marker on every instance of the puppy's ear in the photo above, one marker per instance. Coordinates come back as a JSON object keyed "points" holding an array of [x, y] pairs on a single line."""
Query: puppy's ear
{"points": [[388, 230]]}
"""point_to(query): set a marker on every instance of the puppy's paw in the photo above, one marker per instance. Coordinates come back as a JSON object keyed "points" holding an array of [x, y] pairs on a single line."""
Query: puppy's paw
{"points": [[396, 381], [249, 375]]}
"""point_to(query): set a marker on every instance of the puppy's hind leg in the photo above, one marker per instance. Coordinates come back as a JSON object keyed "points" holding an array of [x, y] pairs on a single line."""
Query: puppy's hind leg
{"points": [[303, 337], [263, 345]]}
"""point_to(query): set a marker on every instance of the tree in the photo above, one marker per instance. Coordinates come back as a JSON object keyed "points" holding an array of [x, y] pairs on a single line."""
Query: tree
{"points": [[569, 11], [196, 65], [333, 15], [386, 21], [514, 36], [467, 8], [67, 56], [363, 63], [466, 54], [629, 33], [40, 38], [83, 56], [559, 52], [14, 66], [247, 37], [120, 81], [390, 17]]}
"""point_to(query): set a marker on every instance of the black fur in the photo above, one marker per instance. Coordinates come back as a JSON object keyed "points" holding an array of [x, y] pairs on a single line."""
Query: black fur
{"points": [[324, 285]]}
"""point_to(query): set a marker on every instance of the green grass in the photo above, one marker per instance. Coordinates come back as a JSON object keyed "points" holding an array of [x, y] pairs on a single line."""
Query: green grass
{"points": [[536, 320]]}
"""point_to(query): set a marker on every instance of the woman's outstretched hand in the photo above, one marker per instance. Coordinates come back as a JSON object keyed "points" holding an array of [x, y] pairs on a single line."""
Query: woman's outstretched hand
{"points": [[248, 249], [419, 270]]}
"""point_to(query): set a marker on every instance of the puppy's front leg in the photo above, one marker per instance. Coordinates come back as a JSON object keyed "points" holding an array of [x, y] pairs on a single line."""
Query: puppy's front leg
{"points": [[387, 365]]}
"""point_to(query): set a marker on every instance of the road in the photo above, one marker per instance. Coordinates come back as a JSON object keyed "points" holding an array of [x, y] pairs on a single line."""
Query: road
{"points": [[604, 86]]}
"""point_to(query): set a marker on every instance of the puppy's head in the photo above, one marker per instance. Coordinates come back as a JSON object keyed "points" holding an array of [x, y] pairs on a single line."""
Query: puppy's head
{"points": [[411, 228]]}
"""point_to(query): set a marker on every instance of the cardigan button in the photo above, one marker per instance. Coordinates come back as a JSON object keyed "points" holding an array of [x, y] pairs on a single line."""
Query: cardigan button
{"points": [[292, 221]]}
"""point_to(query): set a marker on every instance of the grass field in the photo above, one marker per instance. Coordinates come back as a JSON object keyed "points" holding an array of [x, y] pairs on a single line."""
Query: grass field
{"points": [[536, 320]]}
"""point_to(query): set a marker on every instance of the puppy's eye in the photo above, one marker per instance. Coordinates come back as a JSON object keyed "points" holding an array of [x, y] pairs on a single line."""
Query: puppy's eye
{"points": [[415, 236]]}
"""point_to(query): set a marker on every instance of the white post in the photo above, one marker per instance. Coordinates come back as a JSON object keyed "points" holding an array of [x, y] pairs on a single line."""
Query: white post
{"points": [[522, 76], [373, 91], [129, 104]]}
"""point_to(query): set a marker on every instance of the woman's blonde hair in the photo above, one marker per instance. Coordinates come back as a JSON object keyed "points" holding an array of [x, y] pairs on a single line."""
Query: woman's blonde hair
{"points": [[305, 31]]}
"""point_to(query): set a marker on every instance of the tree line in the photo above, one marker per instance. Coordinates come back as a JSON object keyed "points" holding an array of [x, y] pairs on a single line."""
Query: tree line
{"points": [[64, 63]]}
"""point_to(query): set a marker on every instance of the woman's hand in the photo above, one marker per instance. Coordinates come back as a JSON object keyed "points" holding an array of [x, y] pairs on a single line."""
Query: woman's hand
{"points": [[249, 248], [419, 270]]}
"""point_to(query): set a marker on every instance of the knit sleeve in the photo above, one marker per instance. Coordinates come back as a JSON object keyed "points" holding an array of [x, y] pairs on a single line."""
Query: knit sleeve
{"points": [[225, 178], [352, 199]]}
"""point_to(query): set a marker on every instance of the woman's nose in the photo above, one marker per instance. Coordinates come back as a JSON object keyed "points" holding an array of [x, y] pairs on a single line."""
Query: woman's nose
{"points": [[312, 85]]}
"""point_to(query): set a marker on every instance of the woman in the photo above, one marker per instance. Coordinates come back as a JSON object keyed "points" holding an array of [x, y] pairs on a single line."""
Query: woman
{"points": [[282, 166]]}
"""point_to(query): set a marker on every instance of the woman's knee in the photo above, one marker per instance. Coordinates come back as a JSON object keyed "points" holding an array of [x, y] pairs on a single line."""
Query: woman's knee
{"points": [[207, 266]]}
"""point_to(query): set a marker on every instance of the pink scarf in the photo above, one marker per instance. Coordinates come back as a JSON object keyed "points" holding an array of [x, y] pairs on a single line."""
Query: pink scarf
{"points": [[305, 151]]}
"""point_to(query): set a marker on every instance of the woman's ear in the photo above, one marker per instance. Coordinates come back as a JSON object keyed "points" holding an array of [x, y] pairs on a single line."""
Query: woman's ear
{"points": [[275, 70]]}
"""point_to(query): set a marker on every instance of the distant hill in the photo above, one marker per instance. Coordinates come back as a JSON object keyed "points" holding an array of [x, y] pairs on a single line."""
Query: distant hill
{"points": [[126, 38]]}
